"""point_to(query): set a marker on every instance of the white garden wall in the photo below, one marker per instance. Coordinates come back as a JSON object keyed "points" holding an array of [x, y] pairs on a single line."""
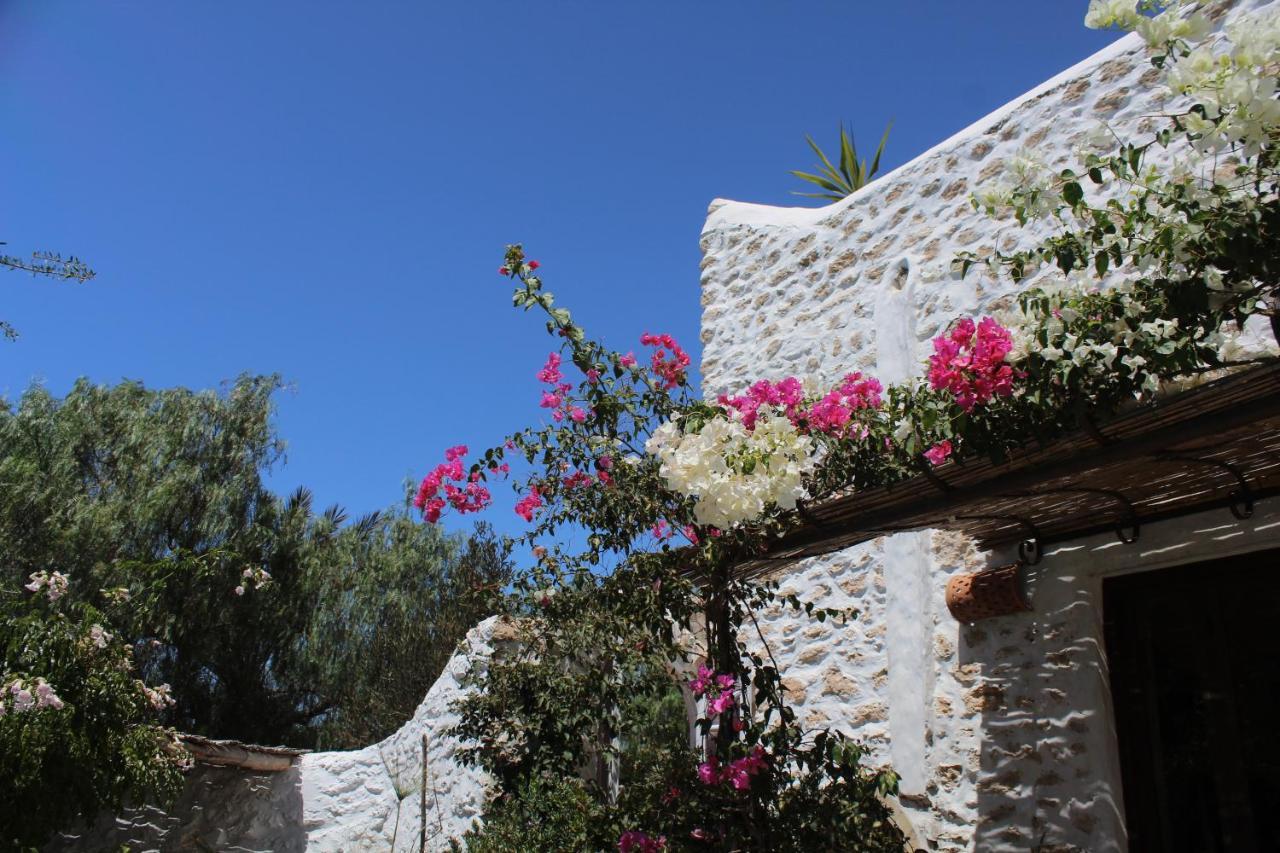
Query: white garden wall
{"points": [[327, 802]]}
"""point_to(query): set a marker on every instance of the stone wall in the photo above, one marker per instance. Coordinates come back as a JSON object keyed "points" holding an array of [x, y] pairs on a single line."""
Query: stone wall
{"points": [[1002, 733], [327, 802]]}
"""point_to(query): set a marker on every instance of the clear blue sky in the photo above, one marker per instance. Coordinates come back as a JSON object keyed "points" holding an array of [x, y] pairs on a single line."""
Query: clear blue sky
{"points": [[323, 189]]}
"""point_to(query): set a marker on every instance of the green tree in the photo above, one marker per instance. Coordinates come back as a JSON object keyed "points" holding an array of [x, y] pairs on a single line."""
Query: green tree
{"points": [[271, 621]]}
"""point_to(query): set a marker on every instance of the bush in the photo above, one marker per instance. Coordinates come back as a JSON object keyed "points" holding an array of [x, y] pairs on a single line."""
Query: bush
{"points": [[78, 732], [546, 813]]}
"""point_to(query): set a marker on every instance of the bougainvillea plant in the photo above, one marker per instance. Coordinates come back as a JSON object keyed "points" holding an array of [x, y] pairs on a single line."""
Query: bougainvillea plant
{"points": [[666, 494]]}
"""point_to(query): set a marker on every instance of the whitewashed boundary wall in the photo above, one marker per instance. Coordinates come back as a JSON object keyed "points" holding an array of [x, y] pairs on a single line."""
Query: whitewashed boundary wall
{"points": [[1002, 733], [327, 802]]}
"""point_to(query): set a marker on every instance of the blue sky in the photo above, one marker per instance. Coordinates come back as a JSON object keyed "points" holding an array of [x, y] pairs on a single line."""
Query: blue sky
{"points": [[323, 189]]}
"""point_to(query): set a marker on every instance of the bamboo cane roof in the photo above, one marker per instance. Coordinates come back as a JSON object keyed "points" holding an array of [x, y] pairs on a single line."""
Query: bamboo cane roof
{"points": [[1214, 446]]}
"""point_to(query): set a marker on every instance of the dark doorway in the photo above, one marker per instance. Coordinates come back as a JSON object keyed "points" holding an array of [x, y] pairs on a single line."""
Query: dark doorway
{"points": [[1195, 683]]}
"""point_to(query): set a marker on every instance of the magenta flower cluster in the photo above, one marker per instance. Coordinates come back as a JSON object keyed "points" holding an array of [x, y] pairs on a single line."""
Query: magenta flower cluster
{"points": [[939, 453], [471, 496], [557, 398], [970, 362], [831, 414], [737, 773], [529, 504], [785, 395], [669, 367], [834, 412], [639, 842], [717, 687]]}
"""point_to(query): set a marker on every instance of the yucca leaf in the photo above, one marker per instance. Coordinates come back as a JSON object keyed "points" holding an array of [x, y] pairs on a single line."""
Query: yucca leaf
{"points": [[848, 156], [820, 181], [875, 164], [823, 157]]}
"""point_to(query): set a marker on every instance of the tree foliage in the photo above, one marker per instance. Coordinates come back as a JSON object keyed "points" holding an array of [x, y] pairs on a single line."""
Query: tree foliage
{"points": [[48, 265], [272, 621]]}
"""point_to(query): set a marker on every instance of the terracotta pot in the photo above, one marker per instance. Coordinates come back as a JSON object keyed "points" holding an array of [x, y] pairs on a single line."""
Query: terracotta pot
{"points": [[993, 592]]}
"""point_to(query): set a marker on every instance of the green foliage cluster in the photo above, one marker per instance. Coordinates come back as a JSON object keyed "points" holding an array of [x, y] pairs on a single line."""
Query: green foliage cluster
{"points": [[162, 493], [544, 813], [48, 265], [103, 745]]}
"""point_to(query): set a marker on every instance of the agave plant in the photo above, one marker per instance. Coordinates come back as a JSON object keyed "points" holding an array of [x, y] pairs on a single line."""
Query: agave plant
{"points": [[853, 173]]}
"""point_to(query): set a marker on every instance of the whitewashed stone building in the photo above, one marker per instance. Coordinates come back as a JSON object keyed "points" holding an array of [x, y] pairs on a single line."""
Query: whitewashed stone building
{"points": [[1132, 699]]}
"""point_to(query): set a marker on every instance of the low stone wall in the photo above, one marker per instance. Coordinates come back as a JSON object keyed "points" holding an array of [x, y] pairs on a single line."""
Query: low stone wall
{"points": [[361, 800]]}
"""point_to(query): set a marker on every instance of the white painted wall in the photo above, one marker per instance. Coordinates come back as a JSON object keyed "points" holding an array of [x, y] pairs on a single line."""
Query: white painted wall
{"points": [[328, 802]]}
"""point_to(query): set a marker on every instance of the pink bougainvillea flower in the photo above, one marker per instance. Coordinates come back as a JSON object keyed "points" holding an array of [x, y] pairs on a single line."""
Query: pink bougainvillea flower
{"points": [[577, 415], [628, 360], [834, 412], [669, 367], [633, 841], [785, 395], [533, 265], [740, 771], [690, 533], [529, 504], [593, 376], [720, 704], [503, 271], [550, 372], [939, 452], [971, 363], [709, 771], [578, 479], [704, 679], [471, 497], [661, 530]]}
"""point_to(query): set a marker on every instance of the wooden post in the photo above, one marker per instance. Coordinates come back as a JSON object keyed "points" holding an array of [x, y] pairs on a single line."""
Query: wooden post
{"points": [[422, 799]]}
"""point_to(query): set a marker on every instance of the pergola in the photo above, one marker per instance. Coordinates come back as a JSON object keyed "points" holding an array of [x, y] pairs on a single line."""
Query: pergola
{"points": [[1213, 446]]}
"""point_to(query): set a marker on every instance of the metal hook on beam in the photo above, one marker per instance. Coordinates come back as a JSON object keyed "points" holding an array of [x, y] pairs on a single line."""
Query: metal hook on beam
{"points": [[1030, 549], [1240, 501], [1127, 530]]}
